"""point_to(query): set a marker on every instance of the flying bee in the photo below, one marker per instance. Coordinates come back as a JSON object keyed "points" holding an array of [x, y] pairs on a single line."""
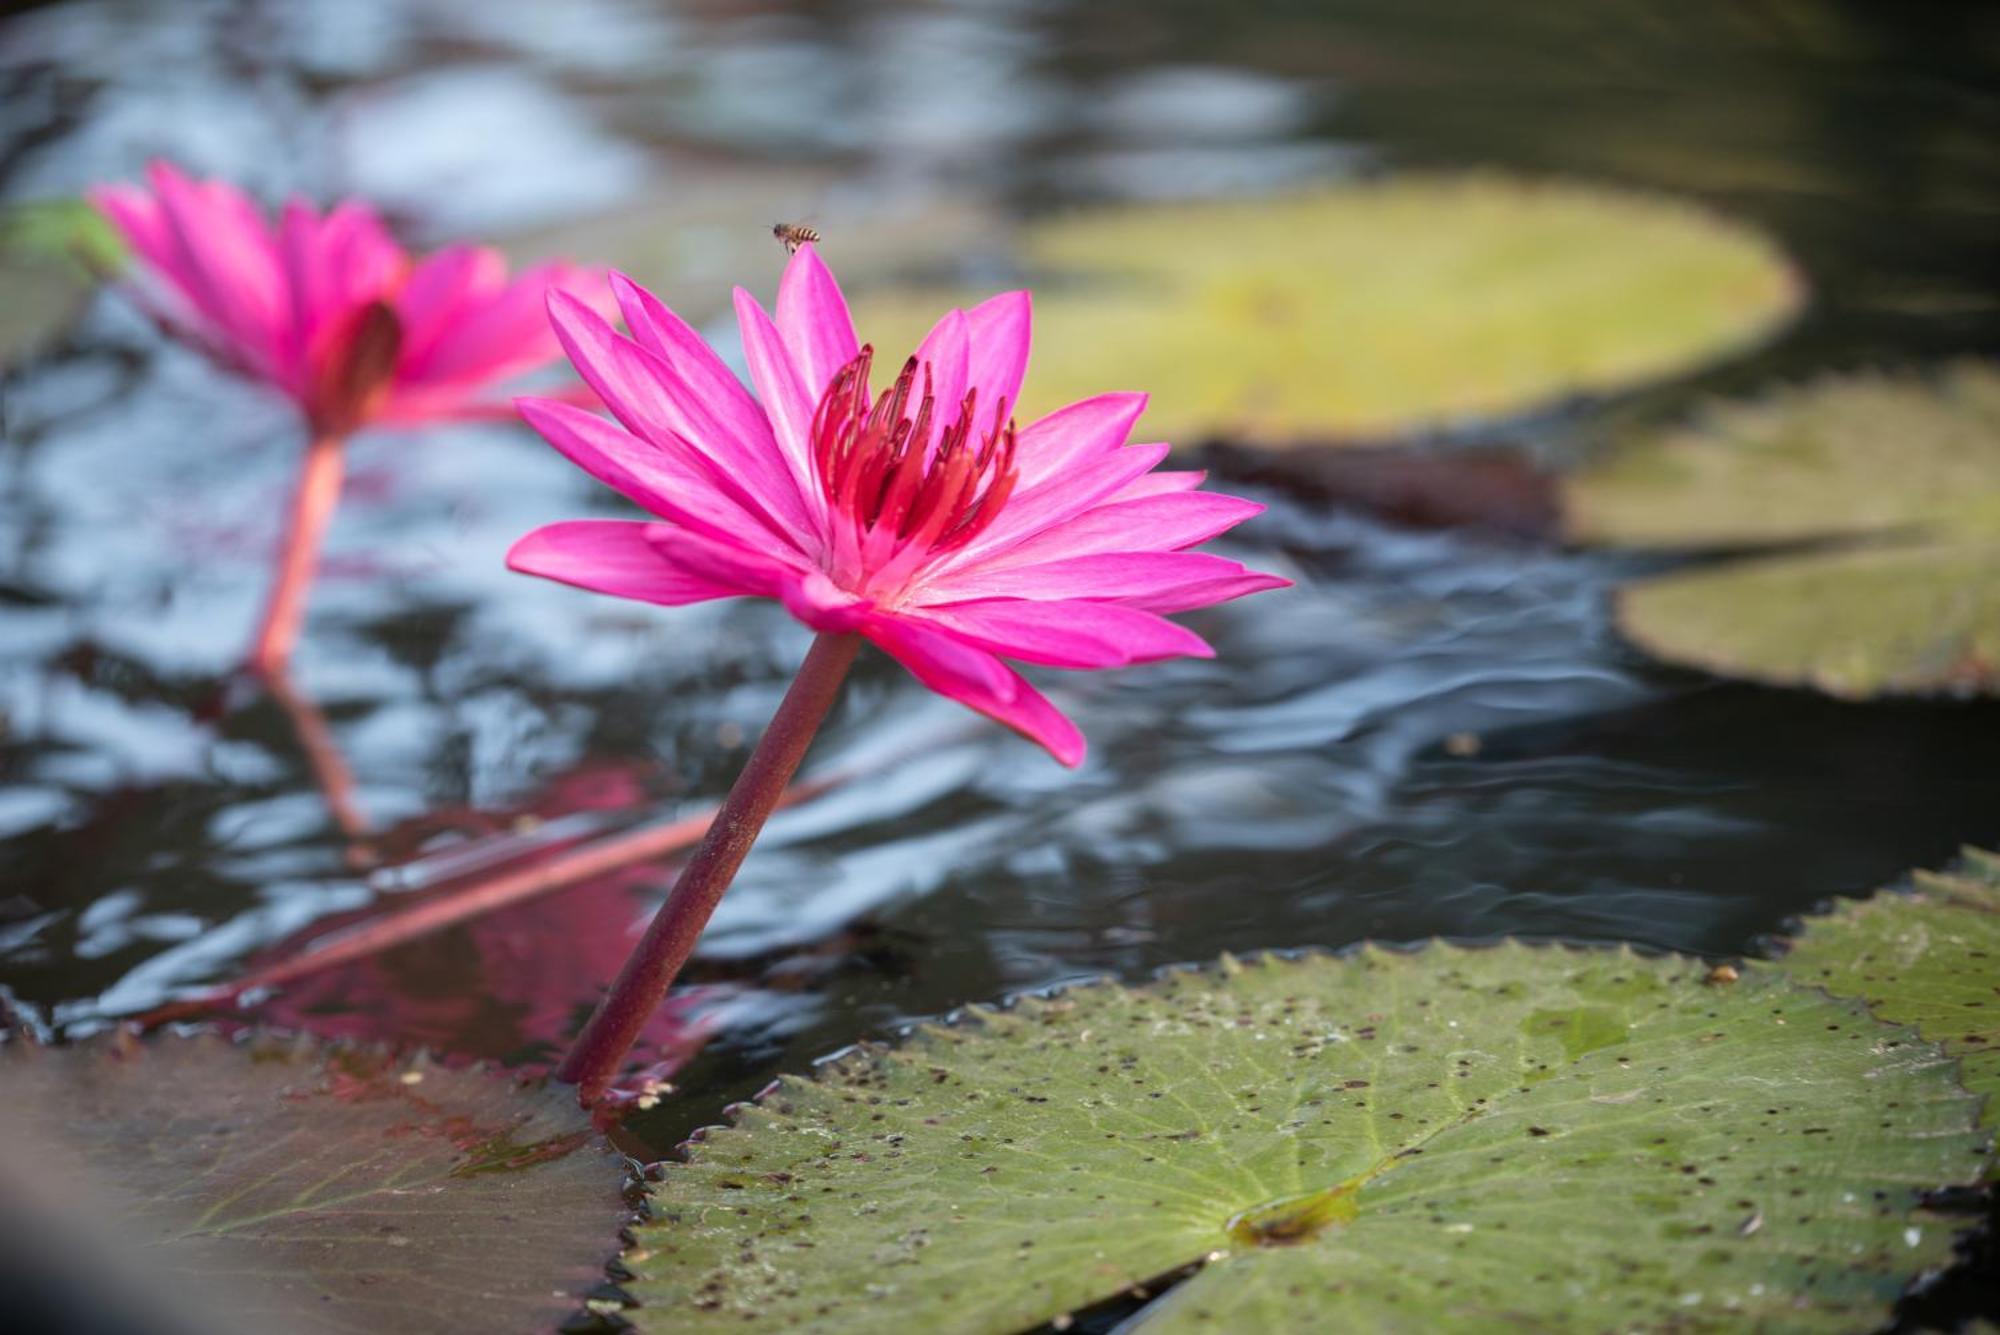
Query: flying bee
{"points": [[793, 235]]}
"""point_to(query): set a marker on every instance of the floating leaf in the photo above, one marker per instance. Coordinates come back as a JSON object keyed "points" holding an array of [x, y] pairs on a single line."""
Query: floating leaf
{"points": [[1360, 311], [1850, 623], [1439, 1140], [1896, 478], [1873, 454], [312, 1189], [50, 254], [1930, 958]]}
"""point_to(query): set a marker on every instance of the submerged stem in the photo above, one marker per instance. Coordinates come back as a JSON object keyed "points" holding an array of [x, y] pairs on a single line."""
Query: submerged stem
{"points": [[600, 1049], [305, 527]]}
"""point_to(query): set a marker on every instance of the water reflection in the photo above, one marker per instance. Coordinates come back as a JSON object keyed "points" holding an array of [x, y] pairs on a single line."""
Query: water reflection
{"points": [[511, 982]]}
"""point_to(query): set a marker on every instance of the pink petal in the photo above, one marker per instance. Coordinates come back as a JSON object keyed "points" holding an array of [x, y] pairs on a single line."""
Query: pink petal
{"points": [[1068, 634], [612, 556], [1000, 336], [820, 603], [651, 398], [1054, 503], [723, 561], [1050, 446], [506, 333], [362, 261], [783, 394], [136, 215], [437, 290], [226, 260], [813, 321], [658, 330], [1153, 581], [300, 257], [1165, 522], [167, 289], [671, 480], [976, 679], [1161, 484], [333, 265], [417, 405], [947, 351]]}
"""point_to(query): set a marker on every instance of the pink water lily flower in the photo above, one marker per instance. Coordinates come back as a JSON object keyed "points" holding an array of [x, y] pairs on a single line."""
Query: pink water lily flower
{"points": [[919, 515], [328, 309]]}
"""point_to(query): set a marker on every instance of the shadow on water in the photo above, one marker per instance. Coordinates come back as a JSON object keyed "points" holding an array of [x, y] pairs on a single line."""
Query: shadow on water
{"points": [[1432, 734]]}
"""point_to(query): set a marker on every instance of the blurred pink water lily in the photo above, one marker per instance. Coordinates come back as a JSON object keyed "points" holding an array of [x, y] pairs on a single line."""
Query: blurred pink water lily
{"points": [[919, 516], [328, 309]]}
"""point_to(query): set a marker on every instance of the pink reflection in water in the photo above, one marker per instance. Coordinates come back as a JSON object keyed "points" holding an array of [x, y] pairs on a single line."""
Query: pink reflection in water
{"points": [[512, 983]]}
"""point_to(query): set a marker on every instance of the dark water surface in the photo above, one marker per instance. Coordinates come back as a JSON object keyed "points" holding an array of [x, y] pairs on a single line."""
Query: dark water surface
{"points": [[160, 827]]}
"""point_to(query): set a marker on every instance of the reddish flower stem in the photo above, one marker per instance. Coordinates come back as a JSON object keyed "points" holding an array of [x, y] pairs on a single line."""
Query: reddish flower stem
{"points": [[305, 527], [593, 1062]]}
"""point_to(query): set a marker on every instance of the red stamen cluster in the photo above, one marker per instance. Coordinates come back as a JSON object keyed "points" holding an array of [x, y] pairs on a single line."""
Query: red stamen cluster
{"points": [[878, 468]]}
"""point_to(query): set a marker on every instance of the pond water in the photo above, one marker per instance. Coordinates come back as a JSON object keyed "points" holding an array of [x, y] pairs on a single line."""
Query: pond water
{"points": [[1434, 733]]}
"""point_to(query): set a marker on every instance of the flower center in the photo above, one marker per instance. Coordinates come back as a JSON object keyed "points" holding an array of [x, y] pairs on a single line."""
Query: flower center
{"points": [[897, 497]]}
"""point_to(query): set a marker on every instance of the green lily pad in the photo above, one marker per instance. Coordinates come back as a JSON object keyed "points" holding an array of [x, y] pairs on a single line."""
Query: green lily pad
{"points": [[1358, 312], [288, 1186], [1907, 620], [51, 253], [1930, 958], [1891, 485], [1449, 1139]]}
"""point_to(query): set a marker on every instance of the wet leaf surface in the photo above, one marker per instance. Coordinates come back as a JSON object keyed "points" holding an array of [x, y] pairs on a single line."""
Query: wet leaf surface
{"points": [[1887, 487], [302, 1188], [1930, 958], [1360, 312], [1446, 1139]]}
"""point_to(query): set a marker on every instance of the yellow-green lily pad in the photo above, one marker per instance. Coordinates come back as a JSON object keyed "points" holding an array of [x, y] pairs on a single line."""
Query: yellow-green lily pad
{"points": [[1883, 492], [1852, 623], [1365, 311], [1443, 1140]]}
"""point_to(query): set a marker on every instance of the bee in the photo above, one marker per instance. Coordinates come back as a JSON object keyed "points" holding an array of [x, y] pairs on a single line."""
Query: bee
{"points": [[793, 235]]}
